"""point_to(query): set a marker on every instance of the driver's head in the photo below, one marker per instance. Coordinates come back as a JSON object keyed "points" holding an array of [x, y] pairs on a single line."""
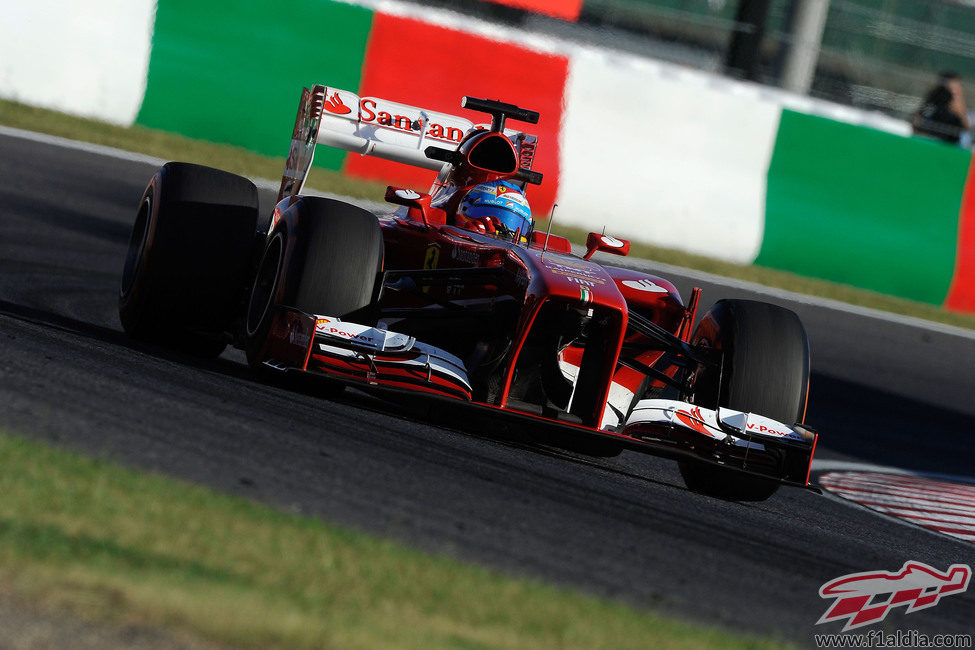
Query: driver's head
{"points": [[501, 204]]}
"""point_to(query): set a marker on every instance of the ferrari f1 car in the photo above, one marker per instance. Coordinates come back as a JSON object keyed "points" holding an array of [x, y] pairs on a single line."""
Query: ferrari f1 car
{"points": [[500, 320]]}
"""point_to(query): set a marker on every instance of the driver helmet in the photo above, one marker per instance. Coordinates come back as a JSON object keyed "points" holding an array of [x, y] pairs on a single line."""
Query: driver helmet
{"points": [[504, 203]]}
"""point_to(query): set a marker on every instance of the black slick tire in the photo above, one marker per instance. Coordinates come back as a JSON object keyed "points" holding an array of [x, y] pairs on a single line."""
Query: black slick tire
{"points": [[765, 370], [323, 258], [189, 258]]}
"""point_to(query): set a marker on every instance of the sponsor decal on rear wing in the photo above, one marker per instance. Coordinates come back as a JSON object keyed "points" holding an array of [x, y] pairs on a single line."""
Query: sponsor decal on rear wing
{"points": [[378, 127]]}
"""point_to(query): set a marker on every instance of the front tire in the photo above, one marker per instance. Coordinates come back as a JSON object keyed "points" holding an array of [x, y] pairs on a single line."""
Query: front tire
{"points": [[764, 370], [323, 258]]}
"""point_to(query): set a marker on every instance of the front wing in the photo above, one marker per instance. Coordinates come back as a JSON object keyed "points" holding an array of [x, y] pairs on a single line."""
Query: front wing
{"points": [[374, 357]]}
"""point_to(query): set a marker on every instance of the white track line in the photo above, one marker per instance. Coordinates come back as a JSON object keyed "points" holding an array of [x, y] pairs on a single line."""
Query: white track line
{"points": [[77, 145], [782, 294]]}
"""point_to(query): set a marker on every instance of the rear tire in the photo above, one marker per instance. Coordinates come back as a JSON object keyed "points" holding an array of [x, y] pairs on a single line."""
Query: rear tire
{"points": [[765, 370], [188, 258], [322, 259]]}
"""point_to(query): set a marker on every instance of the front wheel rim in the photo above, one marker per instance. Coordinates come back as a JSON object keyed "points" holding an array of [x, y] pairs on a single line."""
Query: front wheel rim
{"points": [[265, 285]]}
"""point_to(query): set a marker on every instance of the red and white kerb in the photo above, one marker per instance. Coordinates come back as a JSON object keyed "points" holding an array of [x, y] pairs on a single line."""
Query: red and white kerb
{"points": [[942, 506]]}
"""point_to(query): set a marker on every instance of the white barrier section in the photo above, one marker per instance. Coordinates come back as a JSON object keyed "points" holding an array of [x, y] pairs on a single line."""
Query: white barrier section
{"points": [[666, 155], [88, 58]]}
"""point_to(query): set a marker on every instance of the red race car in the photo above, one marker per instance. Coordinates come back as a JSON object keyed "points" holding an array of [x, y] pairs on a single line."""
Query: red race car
{"points": [[455, 295]]}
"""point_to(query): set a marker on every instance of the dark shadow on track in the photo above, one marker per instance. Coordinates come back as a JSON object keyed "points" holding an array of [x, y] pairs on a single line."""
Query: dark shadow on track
{"points": [[415, 408], [54, 213], [873, 426], [909, 434], [863, 423], [52, 320]]}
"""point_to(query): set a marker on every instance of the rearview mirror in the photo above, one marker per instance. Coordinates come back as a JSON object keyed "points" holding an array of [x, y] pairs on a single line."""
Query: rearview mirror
{"points": [[597, 242]]}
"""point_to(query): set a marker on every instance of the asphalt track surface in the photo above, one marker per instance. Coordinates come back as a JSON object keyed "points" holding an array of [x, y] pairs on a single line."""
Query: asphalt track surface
{"points": [[882, 392]]}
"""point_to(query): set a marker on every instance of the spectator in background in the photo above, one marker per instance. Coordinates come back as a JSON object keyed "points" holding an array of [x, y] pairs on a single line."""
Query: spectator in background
{"points": [[943, 114]]}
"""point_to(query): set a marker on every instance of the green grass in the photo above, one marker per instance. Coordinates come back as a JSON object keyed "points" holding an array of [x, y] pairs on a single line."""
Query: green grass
{"points": [[174, 147], [128, 548]]}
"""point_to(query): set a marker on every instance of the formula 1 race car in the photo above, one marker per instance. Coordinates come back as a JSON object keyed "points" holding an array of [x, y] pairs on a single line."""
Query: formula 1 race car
{"points": [[471, 307]]}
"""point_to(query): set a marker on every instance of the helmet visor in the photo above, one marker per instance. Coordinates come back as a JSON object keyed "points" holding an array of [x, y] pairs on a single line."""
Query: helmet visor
{"points": [[511, 222]]}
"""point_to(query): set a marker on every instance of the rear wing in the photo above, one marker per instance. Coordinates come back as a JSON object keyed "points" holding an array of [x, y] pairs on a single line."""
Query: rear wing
{"points": [[377, 127]]}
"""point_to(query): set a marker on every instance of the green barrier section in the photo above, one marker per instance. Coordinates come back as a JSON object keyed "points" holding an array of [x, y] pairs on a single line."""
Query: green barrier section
{"points": [[863, 207], [232, 72]]}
